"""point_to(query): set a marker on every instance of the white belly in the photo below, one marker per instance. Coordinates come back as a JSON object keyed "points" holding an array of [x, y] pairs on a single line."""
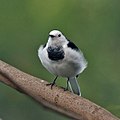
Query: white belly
{"points": [[63, 69]]}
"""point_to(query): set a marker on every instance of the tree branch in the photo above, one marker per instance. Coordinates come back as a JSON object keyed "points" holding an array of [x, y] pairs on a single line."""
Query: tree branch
{"points": [[57, 99]]}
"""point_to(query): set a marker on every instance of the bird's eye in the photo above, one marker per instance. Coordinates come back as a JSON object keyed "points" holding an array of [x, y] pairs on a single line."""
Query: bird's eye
{"points": [[59, 35]]}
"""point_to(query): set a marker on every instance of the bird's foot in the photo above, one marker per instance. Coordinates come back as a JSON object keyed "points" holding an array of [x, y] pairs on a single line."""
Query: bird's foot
{"points": [[65, 89], [52, 84]]}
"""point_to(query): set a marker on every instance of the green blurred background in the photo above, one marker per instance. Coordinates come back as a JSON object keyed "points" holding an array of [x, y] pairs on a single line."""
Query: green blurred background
{"points": [[93, 25]]}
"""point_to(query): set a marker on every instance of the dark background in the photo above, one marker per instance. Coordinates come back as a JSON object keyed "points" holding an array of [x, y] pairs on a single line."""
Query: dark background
{"points": [[93, 25]]}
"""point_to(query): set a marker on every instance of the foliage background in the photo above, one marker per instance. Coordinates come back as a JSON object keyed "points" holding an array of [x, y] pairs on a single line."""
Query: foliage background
{"points": [[93, 25]]}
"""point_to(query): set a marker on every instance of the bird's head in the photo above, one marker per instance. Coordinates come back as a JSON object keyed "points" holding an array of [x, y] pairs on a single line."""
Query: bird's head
{"points": [[56, 36]]}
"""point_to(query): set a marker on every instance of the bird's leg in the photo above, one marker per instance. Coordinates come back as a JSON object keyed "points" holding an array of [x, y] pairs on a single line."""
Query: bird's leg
{"points": [[52, 82], [77, 76], [65, 89]]}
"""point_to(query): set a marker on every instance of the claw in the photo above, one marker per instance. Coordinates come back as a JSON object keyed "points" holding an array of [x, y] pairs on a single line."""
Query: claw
{"points": [[65, 89], [53, 83]]}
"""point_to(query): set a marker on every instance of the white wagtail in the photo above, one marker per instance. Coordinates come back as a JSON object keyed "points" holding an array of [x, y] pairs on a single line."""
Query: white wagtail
{"points": [[62, 57]]}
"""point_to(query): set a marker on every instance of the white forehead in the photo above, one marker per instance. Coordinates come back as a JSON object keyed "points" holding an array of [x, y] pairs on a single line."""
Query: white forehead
{"points": [[55, 32]]}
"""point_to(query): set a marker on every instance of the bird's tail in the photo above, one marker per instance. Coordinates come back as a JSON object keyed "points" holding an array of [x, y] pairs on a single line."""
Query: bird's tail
{"points": [[74, 86]]}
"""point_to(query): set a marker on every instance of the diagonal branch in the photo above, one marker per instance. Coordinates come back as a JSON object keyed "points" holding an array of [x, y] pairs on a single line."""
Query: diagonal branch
{"points": [[57, 99]]}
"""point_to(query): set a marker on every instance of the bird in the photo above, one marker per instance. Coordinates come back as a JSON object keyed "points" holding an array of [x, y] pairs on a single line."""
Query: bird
{"points": [[62, 58]]}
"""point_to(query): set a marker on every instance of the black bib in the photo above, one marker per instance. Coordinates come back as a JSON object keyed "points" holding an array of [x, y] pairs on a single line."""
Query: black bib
{"points": [[55, 53]]}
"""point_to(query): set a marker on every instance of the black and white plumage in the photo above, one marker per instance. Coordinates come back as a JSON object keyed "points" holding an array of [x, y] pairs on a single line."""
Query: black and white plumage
{"points": [[62, 57]]}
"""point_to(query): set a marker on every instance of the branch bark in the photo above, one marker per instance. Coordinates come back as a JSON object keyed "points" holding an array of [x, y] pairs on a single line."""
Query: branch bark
{"points": [[57, 99]]}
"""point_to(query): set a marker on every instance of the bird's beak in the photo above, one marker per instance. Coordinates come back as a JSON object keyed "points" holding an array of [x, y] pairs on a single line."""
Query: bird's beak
{"points": [[52, 36]]}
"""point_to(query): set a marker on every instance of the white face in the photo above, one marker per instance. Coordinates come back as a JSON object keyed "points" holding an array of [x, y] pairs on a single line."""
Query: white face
{"points": [[56, 38], [56, 35]]}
